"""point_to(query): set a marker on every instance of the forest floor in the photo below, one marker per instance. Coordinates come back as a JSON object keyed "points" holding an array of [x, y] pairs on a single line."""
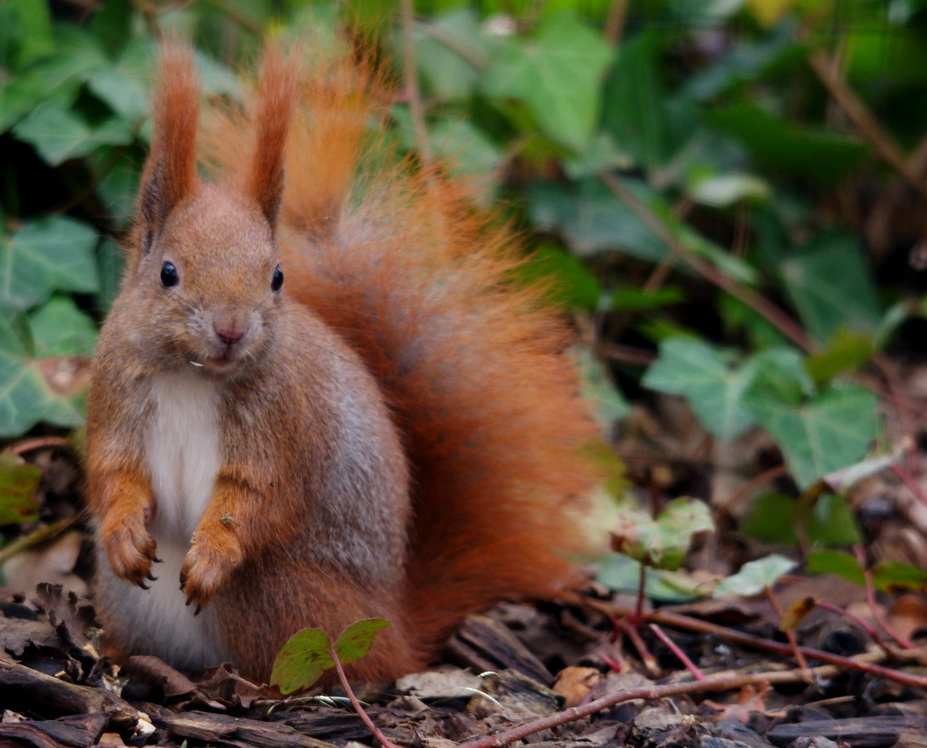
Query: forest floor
{"points": [[594, 670]]}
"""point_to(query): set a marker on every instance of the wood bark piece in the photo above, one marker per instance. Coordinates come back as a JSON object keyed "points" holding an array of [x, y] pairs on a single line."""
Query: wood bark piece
{"points": [[80, 731], [25, 689], [221, 729], [864, 732], [485, 644]]}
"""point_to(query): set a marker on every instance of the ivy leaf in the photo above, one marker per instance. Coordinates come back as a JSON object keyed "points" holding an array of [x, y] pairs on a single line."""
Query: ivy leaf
{"points": [[45, 256], [59, 328], [556, 73], [778, 145], [622, 574], [36, 389], [828, 302], [635, 112], [19, 481], [713, 388], [886, 575], [566, 280], [59, 135], [820, 434], [755, 576], [355, 641], [36, 37], [302, 660], [591, 218], [446, 51], [839, 563], [662, 542]]}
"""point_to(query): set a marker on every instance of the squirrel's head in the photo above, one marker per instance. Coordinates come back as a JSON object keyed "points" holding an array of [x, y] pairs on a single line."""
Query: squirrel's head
{"points": [[203, 286]]}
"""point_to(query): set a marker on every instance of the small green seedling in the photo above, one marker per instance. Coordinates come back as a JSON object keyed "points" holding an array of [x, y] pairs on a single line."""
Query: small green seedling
{"points": [[310, 652], [886, 575]]}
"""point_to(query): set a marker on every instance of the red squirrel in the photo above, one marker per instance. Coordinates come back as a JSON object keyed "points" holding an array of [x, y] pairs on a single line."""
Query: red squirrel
{"points": [[319, 396]]}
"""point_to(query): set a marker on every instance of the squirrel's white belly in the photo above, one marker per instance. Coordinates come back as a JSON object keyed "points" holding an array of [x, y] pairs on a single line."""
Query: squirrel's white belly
{"points": [[183, 454]]}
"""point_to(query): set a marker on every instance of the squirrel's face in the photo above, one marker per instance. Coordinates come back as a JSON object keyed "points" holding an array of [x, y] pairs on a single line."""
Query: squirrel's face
{"points": [[209, 287]]}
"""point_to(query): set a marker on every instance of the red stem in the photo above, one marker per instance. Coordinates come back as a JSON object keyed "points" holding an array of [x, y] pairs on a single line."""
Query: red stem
{"points": [[683, 657], [381, 738], [873, 603], [789, 633]]}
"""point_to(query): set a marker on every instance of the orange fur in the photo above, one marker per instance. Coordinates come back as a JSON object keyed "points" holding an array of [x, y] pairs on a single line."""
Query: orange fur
{"points": [[170, 172], [419, 284]]}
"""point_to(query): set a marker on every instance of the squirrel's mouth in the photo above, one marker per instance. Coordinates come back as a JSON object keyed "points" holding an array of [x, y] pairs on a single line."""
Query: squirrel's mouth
{"points": [[217, 362]]}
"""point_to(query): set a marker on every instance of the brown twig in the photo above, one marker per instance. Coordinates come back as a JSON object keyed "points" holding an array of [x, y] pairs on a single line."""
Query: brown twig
{"points": [[39, 442], [346, 684], [858, 663], [410, 73], [762, 306], [908, 480], [629, 630], [40, 535], [709, 685], [614, 24], [861, 622], [747, 488], [863, 120], [789, 633]]}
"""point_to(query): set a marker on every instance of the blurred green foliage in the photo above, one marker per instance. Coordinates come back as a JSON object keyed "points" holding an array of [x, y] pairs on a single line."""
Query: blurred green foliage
{"points": [[683, 176]]}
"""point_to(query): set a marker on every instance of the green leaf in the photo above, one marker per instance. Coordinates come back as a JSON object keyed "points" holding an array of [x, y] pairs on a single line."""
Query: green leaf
{"points": [[713, 388], [355, 641], [36, 389], [831, 522], [35, 23], [779, 146], [844, 353], [663, 542], [886, 575], [464, 148], [827, 432], [724, 190], [829, 301], [556, 73], [19, 481], [745, 64], [631, 298], [892, 576], [755, 576], [634, 112], [840, 563], [59, 135], [47, 255], [771, 519], [111, 262], [591, 218], [607, 403], [447, 52], [622, 574], [566, 280], [59, 328], [302, 660]]}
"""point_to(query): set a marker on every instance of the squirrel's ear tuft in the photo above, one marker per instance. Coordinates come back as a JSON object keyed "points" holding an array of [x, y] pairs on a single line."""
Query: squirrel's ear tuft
{"points": [[170, 172], [277, 92]]}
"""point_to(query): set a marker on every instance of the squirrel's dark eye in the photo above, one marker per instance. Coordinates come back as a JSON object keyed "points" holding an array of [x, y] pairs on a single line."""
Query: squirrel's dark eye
{"points": [[169, 275], [277, 280]]}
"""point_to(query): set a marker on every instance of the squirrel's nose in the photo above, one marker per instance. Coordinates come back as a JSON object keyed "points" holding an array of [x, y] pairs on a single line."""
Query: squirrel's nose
{"points": [[229, 333]]}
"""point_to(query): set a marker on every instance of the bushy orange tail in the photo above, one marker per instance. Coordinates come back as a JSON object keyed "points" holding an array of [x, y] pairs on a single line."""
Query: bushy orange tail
{"points": [[398, 262]]}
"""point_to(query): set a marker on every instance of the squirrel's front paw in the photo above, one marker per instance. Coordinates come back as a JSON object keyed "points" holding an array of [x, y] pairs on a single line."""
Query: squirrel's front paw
{"points": [[212, 558], [129, 547]]}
